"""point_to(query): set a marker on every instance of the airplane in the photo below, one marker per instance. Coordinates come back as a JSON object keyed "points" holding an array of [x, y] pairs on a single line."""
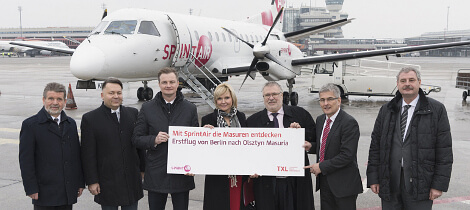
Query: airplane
{"points": [[5, 46], [133, 44]]}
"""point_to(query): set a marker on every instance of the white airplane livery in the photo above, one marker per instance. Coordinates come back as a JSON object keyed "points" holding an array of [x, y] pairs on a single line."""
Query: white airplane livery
{"points": [[5, 46], [133, 44]]}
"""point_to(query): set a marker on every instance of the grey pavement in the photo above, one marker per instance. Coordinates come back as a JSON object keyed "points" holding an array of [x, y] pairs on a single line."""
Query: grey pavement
{"points": [[23, 79]]}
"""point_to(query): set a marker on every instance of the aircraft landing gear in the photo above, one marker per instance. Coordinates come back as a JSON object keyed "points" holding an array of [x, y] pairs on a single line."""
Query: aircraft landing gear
{"points": [[145, 93], [293, 97]]}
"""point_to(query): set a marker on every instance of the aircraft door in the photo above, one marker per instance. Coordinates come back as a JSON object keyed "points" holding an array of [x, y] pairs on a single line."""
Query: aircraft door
{"points": [[184, 44]]}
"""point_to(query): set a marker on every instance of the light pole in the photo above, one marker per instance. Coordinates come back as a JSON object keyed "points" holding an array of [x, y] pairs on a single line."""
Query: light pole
{"points": [[21, 26]]}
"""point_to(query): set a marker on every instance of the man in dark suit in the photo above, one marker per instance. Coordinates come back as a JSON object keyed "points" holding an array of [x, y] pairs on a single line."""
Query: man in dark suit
{"points": [[283, 193], [49, 154], [168, 108], [338, 177], [410, 155], [110, 161]]}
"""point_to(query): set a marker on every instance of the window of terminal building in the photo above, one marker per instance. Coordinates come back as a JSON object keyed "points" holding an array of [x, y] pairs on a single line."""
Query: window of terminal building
{"points": [[99, 28], [121, 27], [148, 27]]}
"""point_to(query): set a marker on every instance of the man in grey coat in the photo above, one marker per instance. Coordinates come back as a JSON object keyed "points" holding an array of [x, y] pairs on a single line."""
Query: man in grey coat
{"points": [[410, 156], [168, 108]]}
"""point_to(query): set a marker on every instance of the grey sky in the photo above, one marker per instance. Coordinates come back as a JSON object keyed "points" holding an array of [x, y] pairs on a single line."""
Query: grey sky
{"points": [[374, 18]]}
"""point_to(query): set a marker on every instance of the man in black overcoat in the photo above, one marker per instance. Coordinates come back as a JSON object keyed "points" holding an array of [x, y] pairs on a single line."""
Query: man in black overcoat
{"points": [[49, 154], [110, 162], [283, 193], [168, 108]]}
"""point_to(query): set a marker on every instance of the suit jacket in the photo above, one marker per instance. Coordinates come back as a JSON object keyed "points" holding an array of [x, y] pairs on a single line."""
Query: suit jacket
{"points": [[49, 159], [340, 161], [155, 116], [217, 187], [109, 158], [263, 186]]}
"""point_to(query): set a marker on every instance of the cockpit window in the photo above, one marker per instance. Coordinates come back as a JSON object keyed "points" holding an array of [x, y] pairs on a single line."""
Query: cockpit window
{"points": [[147, 27], [121, 27], [99, 28]]}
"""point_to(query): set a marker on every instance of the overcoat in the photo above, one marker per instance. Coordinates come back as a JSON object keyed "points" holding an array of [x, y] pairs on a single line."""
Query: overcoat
{"points": [[431, 148], [49, 158], [340, 162], [155, 117], [217, 187], [109, 158], [263, 186]]}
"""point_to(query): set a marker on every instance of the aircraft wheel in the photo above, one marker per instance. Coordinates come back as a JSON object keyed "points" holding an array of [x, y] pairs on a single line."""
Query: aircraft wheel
{"points": [[140, 93], [148, 94], [294, 99], [464, 95], [285, 98]]}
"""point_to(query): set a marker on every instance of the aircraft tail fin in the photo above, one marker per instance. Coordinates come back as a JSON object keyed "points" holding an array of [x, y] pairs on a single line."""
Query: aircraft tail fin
{"points": [[267, 17]]}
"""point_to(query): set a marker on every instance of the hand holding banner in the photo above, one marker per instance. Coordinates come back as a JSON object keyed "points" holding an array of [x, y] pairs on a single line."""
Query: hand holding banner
{"points": [[236, 151]]}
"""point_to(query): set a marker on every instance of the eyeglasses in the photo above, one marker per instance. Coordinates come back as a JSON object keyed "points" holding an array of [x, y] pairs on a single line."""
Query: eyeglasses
{"points": [[322, 100], [274, 95]]}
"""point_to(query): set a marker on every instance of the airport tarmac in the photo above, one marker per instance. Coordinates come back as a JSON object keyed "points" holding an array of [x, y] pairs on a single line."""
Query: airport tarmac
{"points": [[22, 81]]}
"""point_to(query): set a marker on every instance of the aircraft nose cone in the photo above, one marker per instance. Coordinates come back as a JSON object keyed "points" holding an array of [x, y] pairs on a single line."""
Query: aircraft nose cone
{"points": [[87, 62]]}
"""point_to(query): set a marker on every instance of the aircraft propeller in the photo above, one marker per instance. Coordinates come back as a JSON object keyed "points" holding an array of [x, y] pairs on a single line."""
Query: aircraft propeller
{"points": [[260, 51]]}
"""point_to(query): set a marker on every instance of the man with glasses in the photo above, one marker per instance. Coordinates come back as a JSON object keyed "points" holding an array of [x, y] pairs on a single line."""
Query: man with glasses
{"points": [[338, 177], [283, 193]]}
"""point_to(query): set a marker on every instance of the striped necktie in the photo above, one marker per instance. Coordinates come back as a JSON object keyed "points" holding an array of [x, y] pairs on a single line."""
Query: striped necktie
{"points": [[326, 130], [404, 118]]}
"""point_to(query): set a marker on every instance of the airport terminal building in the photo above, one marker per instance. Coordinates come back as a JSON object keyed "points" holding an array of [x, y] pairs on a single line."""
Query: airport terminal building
{"points": [[48, 34]]}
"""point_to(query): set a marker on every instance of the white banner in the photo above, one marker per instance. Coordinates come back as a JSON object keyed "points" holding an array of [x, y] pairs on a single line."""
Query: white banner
{"points": [[236, 151]]}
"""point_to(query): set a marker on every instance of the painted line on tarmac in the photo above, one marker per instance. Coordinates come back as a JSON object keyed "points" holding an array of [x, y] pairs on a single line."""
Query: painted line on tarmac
{"points": [[9, 141], [463, 199]]}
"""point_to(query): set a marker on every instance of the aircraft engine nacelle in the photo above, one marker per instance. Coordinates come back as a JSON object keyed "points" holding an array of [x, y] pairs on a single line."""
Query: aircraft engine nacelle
{"points": [[284, 52]]}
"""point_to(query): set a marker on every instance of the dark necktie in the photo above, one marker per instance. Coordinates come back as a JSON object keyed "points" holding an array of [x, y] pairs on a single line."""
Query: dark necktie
{"points": [[404, 118], [326, 131], [169, 107], [115, 116], [276, 122]]}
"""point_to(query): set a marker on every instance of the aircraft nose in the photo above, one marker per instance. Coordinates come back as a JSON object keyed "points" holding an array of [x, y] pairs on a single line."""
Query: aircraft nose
{"points": [[87, 62]]}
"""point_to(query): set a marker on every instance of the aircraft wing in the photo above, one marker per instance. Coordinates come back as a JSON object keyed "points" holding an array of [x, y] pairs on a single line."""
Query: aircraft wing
{"points": [[372, 53], [300, 34], [52, 49]]}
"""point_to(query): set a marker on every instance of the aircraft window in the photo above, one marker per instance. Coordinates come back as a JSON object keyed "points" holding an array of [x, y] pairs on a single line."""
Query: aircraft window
{"points": [[99, 28], [216, 36], [210, 36], [229, 38], [223, 36], [196, 35], [147, 27], [246, 38], [251, 38], [256, 37], [121, 27]]}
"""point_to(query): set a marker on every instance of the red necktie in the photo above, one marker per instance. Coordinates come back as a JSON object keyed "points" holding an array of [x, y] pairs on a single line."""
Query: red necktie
{"points": [[326, 130]]}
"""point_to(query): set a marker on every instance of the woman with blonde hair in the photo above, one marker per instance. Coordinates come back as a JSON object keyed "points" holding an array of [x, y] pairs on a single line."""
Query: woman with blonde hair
{"points": [[224, 192]]}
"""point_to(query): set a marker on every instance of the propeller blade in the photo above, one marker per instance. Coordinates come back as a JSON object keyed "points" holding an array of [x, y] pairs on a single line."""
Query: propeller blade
{"points": [[105, 13], [252, 67], [274, 24], [233, 34]]}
